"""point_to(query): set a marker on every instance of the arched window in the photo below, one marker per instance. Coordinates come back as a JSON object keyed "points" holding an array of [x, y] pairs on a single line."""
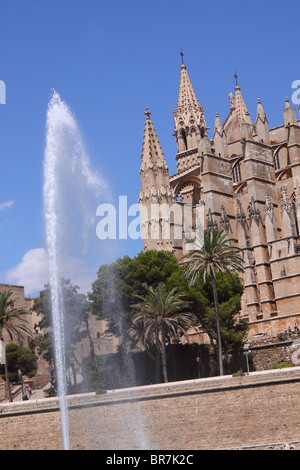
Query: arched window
{"points": [[202, 132], [276, 161], [192, 140], [183, 137], [236, 173]]}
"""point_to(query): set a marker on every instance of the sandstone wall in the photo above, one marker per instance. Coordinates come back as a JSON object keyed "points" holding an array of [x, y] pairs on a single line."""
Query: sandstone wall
{"points": [[213, 413]]}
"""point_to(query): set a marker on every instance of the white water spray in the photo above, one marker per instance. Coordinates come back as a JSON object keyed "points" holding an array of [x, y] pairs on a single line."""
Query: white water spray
{"points": [[72, 192], [69, 187]]}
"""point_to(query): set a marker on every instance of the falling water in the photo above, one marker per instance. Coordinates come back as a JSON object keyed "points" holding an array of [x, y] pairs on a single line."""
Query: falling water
{"points": [[72, 192], [69, 185]]}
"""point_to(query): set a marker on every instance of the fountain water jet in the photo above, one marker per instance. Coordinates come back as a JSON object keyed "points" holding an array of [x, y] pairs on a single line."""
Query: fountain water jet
{"points": [[69, 183], [72, 192]]}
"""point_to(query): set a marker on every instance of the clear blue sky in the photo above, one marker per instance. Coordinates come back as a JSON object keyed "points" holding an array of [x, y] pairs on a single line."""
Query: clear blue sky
{"points": [[108, 61]]}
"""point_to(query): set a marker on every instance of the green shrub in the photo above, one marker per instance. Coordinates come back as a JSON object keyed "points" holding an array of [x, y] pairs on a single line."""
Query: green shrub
{"points": [[19, 358], [281, 336], [239, 373], [281, 365]]}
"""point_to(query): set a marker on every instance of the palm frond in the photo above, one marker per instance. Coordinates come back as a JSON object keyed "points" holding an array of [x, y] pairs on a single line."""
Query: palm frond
{"points": [[162, 307], [217, 253], [12, 319]]}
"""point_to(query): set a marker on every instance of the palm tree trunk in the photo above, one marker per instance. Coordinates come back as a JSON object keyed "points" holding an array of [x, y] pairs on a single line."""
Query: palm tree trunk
{"points": [[157, 363], [92, 349], [217, 323], [5, 368], [163, 353], [157, 373], [10, 399]]}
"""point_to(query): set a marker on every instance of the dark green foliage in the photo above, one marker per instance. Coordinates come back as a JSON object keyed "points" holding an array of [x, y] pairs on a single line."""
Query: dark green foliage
{"points": [[233, 330], [162, 317], [111, 299], [215, 254], [75, 320], [12, 319], [120, 370], [282, 365], [117, 285], [19, 358]]}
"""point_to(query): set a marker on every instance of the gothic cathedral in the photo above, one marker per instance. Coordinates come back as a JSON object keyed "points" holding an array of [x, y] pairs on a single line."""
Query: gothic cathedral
{"points": [[245, 180]]}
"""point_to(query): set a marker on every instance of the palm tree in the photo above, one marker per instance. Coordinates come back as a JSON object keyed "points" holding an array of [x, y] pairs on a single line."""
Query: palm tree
{"points": [[162, 315], [215, 254], [11, 320]]}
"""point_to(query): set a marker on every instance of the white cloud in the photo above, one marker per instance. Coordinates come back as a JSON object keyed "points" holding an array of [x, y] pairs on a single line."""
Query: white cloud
{"points": [[32, 272], [78, 272], [5, 205]]}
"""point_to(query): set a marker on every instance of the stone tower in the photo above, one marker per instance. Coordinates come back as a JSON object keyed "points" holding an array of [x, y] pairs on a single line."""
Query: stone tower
{"points": [[156, 196], [245, 179]]}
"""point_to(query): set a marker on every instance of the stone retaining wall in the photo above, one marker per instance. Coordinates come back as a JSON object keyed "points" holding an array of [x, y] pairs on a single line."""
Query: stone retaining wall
{"points": [[214, 413]]}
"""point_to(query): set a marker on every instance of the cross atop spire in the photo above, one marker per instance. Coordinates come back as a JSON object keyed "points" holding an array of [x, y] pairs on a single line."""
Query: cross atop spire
{"points": [[147, 113], [182, 54], [236, 78]]}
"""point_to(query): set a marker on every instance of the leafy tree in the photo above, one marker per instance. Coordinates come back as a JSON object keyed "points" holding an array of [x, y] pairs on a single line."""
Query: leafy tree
{"points": [[14, 322], [233, 329], [117, 284], [20, 358], [215, 254], [76, 327], [163, 317]]}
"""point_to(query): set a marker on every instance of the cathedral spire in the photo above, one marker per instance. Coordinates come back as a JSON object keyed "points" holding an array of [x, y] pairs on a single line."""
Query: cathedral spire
{"points": [[189, 118], [240, 106], [260, 114], [154, 169], [238, 113], [152, 154], [289, 113], [262, 125], [187, 100], [219, 138], [218, 124], [155, 194]]}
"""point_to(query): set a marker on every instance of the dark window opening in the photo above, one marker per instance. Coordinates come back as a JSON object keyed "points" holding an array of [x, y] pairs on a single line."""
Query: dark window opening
{"points": [[236, 173]]}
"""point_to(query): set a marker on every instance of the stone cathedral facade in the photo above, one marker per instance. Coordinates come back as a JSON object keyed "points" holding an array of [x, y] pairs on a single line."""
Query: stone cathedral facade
{"points": [[246, 180]]}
